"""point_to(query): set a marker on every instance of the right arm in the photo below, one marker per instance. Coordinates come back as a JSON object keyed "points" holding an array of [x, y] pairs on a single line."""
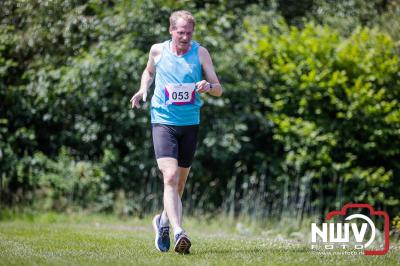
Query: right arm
{"points": [[147, 76]]}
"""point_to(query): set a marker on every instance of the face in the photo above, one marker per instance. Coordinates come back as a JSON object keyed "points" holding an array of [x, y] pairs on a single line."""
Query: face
{"points": [[182, 34]]}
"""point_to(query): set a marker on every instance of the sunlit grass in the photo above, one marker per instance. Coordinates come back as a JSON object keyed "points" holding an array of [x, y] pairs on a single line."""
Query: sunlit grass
{"points": [[52, 239]]}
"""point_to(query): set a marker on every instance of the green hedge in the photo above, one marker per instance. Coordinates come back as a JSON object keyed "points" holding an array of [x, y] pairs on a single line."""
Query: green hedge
{"points": [[333, 105], [309, 120]]}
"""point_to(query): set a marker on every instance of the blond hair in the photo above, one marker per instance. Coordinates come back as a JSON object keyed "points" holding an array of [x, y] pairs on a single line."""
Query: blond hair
{"points": [[185, 15]]}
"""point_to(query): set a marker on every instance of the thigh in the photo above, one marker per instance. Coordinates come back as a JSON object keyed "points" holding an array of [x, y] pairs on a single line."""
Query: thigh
{"points": [[187, 145], [165, 141]]}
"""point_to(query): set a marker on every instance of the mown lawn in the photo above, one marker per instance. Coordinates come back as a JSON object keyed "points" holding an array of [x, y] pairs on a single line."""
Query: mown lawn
{"points": [[102, 240]]}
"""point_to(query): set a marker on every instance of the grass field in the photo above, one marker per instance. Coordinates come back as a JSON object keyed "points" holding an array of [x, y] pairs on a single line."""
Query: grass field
{"points": [[50, 239]]}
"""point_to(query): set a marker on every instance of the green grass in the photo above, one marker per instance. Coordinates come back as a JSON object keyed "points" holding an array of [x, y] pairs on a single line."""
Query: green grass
{"points": [[50, 239]]}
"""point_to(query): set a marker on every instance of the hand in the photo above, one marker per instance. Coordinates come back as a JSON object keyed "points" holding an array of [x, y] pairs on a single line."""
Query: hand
{"points": [[203, 86], [136, 98]]}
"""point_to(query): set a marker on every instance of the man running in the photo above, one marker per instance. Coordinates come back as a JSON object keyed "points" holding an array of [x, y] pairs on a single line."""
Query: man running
{"points": [[178, 66]]}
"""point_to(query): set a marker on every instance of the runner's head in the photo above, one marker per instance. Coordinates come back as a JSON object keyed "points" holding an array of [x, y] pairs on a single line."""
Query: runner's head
{"points": [[181, 28], [181, 14]]}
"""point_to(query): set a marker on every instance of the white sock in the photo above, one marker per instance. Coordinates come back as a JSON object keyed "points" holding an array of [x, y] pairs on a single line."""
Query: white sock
{"points": [[164, 221], [178, 230]]}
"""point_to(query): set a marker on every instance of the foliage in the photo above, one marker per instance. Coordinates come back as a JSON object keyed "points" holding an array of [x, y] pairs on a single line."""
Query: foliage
{"points": [[347, 15], [396, 226], [61, 185], [333, 105], [309, 118]]}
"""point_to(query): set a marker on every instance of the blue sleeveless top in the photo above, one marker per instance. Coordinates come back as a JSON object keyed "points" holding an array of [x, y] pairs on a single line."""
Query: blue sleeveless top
{"points": [[171, 103]]}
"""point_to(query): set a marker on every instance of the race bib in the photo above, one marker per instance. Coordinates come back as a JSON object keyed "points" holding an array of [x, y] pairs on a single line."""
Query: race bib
{"points": [[180, 94]]}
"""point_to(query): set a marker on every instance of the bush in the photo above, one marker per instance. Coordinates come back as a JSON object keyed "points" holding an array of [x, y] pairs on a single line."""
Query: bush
{"points": [[334, 109], [309, 118]]}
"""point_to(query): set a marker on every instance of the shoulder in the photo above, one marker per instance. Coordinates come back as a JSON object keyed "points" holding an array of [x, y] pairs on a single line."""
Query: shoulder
{"points": [[203, 52], [156, 49], [204, 55]]}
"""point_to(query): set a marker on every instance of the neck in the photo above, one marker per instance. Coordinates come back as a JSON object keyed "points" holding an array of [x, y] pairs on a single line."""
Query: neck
{"points": [[179, 51]]}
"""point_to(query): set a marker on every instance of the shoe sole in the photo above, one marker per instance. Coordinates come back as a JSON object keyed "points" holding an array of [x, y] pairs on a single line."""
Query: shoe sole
{"points": [[156, 231], [183, 245]]}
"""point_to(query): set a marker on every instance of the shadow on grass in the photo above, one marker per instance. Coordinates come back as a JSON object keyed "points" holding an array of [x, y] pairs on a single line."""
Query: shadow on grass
{"points": [[248, 250]]}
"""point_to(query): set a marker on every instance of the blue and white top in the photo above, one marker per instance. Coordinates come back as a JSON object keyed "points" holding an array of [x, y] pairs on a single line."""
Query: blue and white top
{"points": [[175, 100]]}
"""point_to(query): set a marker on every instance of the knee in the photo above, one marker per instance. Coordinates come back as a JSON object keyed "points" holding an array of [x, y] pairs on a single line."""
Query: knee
{"points": [[170, 178]]}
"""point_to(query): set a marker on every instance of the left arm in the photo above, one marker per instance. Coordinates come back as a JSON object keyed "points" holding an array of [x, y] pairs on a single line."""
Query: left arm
{"points": [[211, 83]]}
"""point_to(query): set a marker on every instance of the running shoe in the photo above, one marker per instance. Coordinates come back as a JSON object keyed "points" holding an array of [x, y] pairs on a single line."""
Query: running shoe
{"points": [[182, 243], [162, 241]]}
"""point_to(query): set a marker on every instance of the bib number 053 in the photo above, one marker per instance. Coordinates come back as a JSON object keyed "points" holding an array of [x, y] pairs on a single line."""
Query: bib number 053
{"points": [[180, 94]]}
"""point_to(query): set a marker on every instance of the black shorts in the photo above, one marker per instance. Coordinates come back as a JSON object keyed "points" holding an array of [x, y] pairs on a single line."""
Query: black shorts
{"points": [[178, 142]]}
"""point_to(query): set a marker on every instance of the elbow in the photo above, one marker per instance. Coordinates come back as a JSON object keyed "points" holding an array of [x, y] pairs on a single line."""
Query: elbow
{"points": [[220, 92]]}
